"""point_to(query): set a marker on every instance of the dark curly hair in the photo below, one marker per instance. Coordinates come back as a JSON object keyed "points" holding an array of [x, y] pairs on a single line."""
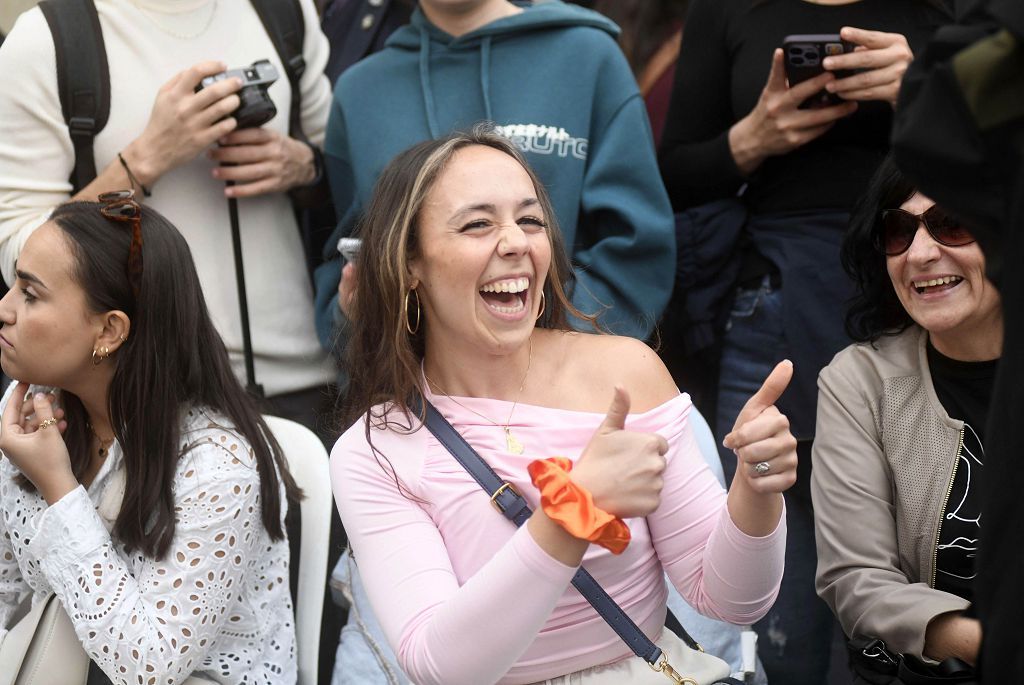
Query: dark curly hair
{"points": [[874, 310]]}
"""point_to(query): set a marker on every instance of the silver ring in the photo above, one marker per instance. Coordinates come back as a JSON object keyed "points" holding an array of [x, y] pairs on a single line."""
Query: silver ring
{"points": [[762, 468]]}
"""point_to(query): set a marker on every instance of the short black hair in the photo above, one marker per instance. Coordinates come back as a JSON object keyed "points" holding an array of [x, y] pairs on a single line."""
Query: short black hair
{"points": [[874, 310]]}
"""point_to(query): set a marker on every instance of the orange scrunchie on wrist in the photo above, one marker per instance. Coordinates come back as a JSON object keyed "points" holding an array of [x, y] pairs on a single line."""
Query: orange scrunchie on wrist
{"points": [[573, 508]]}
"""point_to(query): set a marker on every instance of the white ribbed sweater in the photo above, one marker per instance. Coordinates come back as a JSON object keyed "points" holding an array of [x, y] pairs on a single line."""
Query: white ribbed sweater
{"points": [[144, 50]]}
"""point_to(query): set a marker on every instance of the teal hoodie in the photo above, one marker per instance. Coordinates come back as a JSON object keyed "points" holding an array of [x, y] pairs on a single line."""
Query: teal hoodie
{"points": [[553, 80]]}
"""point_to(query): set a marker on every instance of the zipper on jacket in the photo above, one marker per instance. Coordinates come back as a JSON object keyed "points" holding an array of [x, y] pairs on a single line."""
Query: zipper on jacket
{"points": [[942, 510]]}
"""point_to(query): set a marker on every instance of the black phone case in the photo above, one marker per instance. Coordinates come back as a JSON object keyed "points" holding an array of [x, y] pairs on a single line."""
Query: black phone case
{"points": [[803, 56]]}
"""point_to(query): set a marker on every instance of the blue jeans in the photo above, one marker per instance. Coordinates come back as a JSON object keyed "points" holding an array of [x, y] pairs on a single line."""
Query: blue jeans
{"points": [[794, 638], [364, 656]]}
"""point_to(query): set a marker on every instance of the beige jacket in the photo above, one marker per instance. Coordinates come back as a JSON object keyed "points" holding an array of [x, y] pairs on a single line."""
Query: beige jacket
{"points": [[884, 456]]}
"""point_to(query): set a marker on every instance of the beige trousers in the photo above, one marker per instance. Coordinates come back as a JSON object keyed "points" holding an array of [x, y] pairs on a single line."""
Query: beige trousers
{"points": [[702, 668]]}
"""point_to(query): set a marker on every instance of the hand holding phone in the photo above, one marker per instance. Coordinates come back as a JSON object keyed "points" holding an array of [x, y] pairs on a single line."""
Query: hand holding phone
{"points": [[777, 125], [805, 59], [875, 68]]}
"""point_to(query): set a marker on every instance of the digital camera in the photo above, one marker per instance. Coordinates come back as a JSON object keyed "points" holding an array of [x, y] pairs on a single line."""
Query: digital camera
{"points": [[257, 108]]}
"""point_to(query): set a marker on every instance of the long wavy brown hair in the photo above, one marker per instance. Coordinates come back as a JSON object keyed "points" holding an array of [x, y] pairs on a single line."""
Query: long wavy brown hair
{"points": [[382, 357]]}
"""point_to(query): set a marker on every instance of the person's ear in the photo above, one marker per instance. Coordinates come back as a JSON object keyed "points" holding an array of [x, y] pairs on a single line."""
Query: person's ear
{"points": [[116, 326], [413, 273]]}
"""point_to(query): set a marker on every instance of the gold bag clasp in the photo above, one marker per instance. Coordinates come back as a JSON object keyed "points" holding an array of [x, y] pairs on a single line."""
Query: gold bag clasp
{"points": [[663, 666]]}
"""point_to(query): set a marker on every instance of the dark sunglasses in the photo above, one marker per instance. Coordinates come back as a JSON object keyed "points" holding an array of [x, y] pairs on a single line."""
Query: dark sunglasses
{"points": [[900, 226], [120, 205]]}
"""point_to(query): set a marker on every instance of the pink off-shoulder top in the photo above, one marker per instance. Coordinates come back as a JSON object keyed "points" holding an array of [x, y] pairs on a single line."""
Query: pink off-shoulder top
{"points": [[465, 597]]}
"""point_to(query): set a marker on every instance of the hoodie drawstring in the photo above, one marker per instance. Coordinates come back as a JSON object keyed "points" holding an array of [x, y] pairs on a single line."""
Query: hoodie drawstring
{"points": [[485, 76], [428, 93]]}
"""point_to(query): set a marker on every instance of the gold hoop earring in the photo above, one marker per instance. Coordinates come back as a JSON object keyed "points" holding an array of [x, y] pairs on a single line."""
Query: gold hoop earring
{"points": [[412, 330], [99, 355], [543, 302]]}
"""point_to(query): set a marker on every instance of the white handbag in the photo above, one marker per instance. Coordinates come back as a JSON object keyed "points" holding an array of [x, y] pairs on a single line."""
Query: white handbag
{"points": [[42, 649]]}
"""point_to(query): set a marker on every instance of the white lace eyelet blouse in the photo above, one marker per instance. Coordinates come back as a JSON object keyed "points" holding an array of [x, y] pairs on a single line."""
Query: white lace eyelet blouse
{"points": [[218, 604]]}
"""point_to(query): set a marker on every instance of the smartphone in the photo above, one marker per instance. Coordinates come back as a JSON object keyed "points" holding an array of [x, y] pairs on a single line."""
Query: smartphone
{"points": [[803, 57], [349, 248]]}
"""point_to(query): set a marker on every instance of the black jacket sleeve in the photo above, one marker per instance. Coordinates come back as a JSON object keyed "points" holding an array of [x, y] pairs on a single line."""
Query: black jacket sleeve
{"points": [[696, 163]]}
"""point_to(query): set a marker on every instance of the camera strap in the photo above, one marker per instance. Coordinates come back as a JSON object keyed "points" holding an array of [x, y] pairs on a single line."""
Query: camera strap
{"points": [[251, 386]]}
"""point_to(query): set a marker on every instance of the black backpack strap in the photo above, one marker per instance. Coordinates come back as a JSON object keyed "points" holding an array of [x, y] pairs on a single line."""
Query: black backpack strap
{"points": [[83, 78], [283, 22]]}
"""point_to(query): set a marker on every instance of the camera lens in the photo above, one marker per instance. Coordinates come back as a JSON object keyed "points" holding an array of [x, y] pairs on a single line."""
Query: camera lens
{"points": [[805, 54], [256, 107]]}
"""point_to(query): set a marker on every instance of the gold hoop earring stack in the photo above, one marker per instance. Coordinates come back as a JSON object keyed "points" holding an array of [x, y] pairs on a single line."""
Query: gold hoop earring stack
{"points": [[543, 302], [413, 330], [98, 355]]}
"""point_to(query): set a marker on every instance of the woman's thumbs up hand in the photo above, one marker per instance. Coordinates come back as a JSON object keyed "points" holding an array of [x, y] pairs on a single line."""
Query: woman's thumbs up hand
{"points": [[622, 469], [765, 457]]}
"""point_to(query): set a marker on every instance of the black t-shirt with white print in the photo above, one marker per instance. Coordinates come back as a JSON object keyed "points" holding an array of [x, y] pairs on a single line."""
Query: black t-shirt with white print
{"points": [[964, 389]]}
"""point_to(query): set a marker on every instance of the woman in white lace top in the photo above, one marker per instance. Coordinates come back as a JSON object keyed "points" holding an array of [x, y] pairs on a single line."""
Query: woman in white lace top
{"points": [[145, 491]]}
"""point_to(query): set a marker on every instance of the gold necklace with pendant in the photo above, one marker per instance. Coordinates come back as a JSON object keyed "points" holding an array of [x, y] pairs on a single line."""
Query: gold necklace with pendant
{"points": [[513, 445], [104, 444]]}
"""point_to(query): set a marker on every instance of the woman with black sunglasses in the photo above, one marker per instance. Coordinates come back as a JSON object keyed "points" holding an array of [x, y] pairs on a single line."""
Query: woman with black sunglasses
{"points": [[140, 484], [900, 453]]}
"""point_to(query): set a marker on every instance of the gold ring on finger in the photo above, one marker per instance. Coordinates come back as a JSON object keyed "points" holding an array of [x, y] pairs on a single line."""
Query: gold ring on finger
{"points": [[46, 423]]}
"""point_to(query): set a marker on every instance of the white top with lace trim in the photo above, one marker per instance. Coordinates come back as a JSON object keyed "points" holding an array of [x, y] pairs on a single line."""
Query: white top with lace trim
{"points": [[218, 603]]}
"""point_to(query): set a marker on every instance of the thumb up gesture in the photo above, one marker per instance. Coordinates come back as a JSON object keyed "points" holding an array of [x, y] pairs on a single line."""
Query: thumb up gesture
{"points": [[765, 449], [622, 469]]}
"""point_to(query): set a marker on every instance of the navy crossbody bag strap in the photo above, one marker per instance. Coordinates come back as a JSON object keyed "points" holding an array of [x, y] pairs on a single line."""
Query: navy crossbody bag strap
{"points": [[512, 505]]}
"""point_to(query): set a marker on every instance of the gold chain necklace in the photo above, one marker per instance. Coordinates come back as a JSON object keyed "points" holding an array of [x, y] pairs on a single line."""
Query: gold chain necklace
{"points": [[104, 444], [146, 12], [513, 445]]}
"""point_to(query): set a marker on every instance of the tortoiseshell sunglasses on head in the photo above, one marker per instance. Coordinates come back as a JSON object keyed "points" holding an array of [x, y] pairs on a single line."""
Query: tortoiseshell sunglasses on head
{"points": [[120, 205]]}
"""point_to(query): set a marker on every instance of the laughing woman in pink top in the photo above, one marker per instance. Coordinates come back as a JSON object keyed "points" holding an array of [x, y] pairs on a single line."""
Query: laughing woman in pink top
{"points": [[461, 298]]}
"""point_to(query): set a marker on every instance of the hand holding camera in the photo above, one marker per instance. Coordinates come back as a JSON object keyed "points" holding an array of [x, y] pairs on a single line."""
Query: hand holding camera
{"points": [[207, 103], [255, 107], [880, 59], [184, 122], [262, 161], [256, 160]]}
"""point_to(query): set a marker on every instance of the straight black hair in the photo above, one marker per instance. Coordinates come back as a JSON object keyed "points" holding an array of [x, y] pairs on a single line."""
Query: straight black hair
{"points": [[172, 361]]}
